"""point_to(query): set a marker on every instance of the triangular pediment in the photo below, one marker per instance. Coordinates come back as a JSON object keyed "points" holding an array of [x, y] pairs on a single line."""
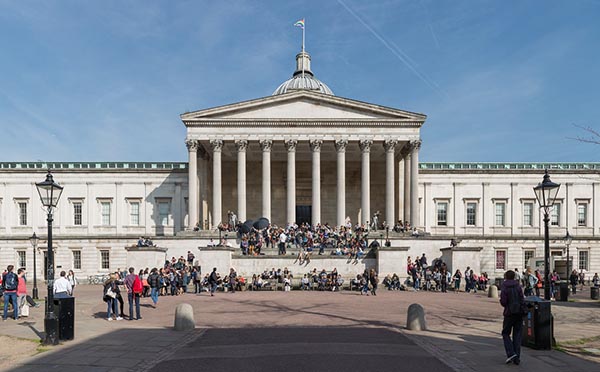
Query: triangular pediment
{"points": [[302, 105]]}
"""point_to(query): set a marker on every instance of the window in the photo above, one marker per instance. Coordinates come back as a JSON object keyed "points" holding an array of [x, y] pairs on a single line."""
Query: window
{"points": [[528, 214], [555, 215], [500, 213], [77, 215], [77, 259], [582, 214], [527, 254], [105, 210], [163, 212], [21, 259], [471, 214], [134, 213], [105, 259], [500, 260], [22, 213], [583, 259], [442, 214]]}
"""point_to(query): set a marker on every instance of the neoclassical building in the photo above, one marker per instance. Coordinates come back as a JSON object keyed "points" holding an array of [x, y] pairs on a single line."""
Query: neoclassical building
{"points": [[301, 154]]}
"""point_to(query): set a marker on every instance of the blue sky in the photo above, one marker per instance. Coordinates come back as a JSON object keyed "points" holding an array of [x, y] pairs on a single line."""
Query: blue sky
{"points": [[107, 80]]}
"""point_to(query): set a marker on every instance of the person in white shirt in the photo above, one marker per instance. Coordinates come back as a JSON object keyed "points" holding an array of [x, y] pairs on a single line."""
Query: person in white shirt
{"points": [[62, 286]]}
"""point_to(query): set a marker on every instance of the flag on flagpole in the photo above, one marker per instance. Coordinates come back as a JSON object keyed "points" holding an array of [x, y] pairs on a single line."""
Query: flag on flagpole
{"points": [[300, 23]]}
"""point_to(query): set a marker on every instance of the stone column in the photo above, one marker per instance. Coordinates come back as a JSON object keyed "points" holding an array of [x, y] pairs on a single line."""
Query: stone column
{"points": [[266, 145], [406, 155], [365, 189], [340, 147], [290, 145], [192, 146], [389, 146], [315, 146], [217, 215], [241, 145], [414, 184]]}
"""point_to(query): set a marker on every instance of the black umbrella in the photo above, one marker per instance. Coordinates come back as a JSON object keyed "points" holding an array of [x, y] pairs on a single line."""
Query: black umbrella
{"points": [[261, 223], [246, 227]]}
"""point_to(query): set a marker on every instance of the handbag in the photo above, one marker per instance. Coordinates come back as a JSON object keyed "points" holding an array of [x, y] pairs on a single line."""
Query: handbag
{"points": [[110, 293]]}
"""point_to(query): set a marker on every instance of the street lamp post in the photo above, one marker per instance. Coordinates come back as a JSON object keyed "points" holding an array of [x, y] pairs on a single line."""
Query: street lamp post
{"points": [[568, 239], [50, 192], [546, 192], [34, 243]]}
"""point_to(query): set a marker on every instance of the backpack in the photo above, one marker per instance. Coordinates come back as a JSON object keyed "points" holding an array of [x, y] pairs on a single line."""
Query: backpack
{"points": [[137, 287], [10, 282], [515, 305]]}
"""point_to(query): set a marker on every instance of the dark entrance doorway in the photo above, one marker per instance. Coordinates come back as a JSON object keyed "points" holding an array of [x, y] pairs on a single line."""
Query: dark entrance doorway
{"points": [[303, 214]]}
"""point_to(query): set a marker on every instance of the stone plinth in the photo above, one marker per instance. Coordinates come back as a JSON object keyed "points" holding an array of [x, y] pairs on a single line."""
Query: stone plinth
{"points": [[415, 319]]}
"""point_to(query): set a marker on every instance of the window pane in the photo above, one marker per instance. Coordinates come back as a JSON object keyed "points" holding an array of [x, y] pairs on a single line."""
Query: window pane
{"points": [[105, 213], [77, 214], [135, 213], [105, 259], [22, 259], [23, 214], [581, 214], [163, 213], [555, 215], [526, 256], [442, 214], [583, 260], [528, 214], [500, 260], [471, 214], [500, 208], [77, 260]]}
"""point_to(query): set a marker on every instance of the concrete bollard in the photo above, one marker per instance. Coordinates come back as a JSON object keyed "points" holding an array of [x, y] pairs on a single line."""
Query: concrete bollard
{"points": [[184, 317], [415, 319], [493, 291]]}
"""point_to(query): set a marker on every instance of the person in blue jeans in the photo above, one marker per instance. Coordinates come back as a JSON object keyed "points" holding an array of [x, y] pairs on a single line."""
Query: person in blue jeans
{"points": [[513, 301], [10, 283], [154, 283]]}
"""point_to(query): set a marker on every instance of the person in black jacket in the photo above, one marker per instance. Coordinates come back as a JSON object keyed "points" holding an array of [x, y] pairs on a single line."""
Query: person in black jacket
{"points": [[513, 301], [110, 293], [154, 283], [213, 280]]}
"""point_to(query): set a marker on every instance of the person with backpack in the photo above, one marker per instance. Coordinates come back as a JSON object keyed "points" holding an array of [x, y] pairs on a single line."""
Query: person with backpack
{"points": [[135, 288], [10, 283], [530, 282], [513, 301], [154, 283], [213, 281]]}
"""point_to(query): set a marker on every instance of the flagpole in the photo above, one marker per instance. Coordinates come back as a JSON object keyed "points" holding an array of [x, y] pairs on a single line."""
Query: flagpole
{"points": [[303, 27]]}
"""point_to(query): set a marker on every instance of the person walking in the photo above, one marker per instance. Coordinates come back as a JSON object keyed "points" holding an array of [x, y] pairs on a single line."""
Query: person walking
{"points": [[574, 278], [513, 301], [62, 287], [374, 279], [213, 281], [134, 286], [154, 283], [24, 300], [232, 279], [10, 283], [71, 278], [456, 279]]}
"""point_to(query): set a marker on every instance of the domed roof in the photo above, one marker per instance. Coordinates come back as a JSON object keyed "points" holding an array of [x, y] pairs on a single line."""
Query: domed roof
{"points": [[303, 78]]}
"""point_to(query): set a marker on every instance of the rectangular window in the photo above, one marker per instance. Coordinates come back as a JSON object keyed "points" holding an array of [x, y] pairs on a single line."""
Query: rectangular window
{"points": [[584, 259], [163, 213], [527, 254], [555, 215], [22, 213], [105, 259], [134, 213], [471, 214], [442, 214], [582, 214], [105, 209], [77, 259], [77, 214], [500, 214], [528, 214], [22, 259], [500, 260]]}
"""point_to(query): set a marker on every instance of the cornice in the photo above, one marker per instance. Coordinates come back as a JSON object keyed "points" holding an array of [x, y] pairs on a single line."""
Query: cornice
{"points": [[290, 123]]}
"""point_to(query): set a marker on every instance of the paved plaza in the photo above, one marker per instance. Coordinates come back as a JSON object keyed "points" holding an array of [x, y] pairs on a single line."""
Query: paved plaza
{"points": [[299, 331]]}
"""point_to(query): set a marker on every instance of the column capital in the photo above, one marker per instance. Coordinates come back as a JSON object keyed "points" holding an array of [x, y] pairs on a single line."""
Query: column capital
{"points": [[415, 145], [315, 145], [290, 145], [390, 145], [365, 145], [406, 150], [192, 145], [265, 145], [241, 145], [340, 145], [216, 144]]}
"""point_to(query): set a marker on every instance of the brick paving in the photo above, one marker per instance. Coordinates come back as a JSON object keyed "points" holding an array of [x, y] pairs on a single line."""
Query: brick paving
{"points": [[463, 329]]}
